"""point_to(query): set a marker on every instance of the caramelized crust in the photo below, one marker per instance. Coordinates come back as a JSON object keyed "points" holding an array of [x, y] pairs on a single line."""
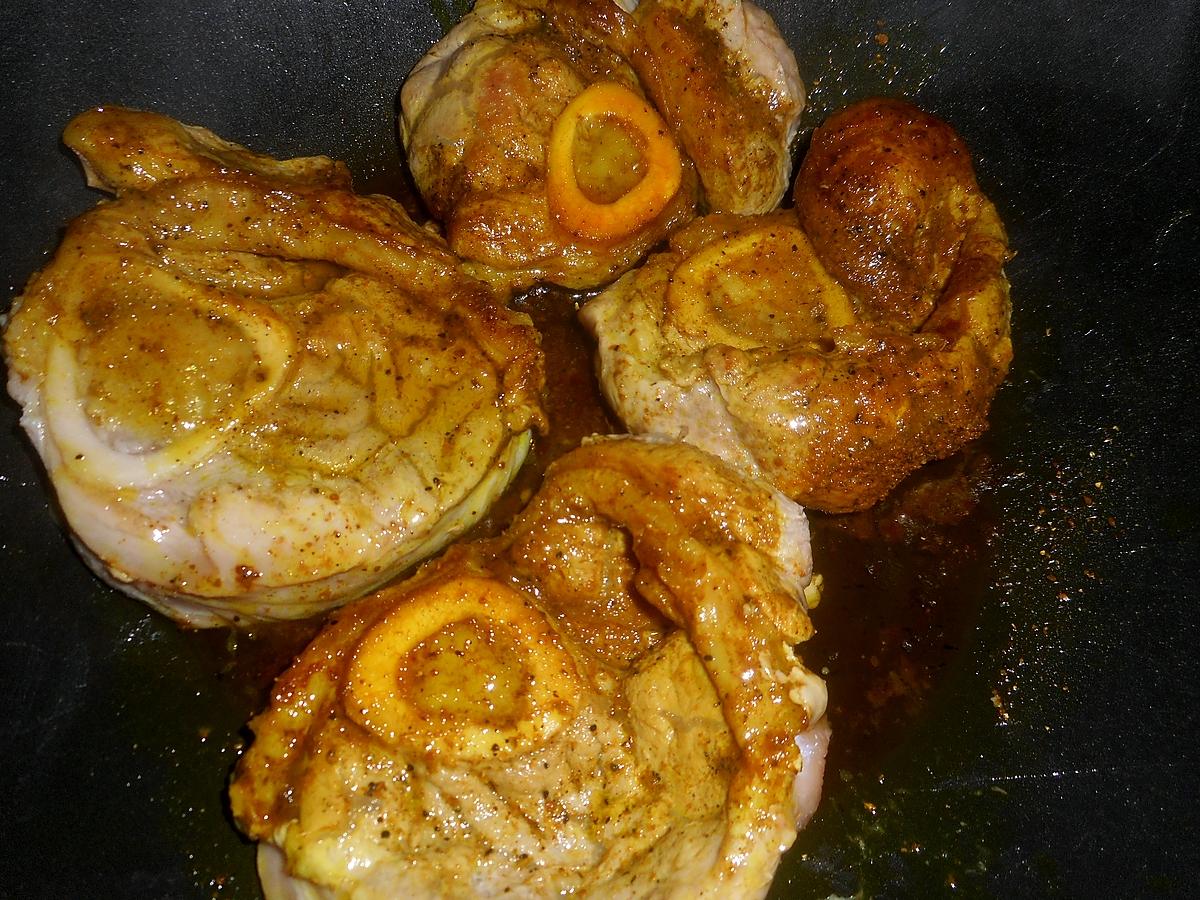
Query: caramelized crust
{"points": [[887, 194], [725, 79]]}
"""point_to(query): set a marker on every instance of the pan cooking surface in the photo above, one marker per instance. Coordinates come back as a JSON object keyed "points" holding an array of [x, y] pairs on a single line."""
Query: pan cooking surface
{"points": [[1009, 641]]}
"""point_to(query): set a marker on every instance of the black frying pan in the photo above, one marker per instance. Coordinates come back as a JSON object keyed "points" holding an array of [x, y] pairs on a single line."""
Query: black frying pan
{"points": [[1009, 641]]}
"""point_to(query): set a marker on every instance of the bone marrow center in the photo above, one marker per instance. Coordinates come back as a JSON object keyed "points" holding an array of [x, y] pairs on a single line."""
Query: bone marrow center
{"points": [[466, 667], [464, 674], [609, 158]]}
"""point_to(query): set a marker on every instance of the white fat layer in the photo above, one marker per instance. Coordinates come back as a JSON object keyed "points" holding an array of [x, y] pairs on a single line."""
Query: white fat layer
{"points": [[806, 789]]}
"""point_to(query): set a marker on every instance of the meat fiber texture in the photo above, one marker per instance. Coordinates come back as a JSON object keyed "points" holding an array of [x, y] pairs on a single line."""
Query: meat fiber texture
{"points": [[478, 110], [256, 393], [602, 701], [835, 347]]}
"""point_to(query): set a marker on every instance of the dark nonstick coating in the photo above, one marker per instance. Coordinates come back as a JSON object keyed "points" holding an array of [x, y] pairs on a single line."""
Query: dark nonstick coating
{"points": [[1014, 694]]}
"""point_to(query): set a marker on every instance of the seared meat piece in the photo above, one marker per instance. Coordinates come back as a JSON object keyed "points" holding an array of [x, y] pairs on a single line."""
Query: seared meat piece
{"points": [[478, 113], [256, 393], [492, 132], [835, 348], [887, 194], [602, 701], [726, 80]]}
